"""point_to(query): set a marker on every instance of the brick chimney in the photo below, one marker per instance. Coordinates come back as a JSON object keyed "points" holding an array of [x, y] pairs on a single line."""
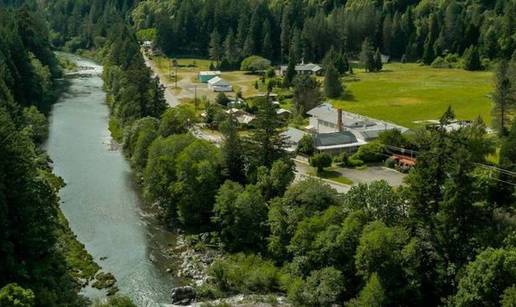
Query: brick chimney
{"points": [[339, 120]]}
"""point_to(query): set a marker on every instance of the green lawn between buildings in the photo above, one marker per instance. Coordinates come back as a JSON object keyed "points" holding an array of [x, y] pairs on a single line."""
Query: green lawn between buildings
{"points": [[405, 93]]}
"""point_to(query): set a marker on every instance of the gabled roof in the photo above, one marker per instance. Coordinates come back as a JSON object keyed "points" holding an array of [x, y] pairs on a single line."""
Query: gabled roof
{"points": [[282, 111], [293, 135], [209, 73], [326, 112], [218, 81], [308, 67]]}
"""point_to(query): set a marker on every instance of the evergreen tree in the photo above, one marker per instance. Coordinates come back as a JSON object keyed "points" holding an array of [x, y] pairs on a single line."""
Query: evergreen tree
{"points": [[472, 59], [378, 60], [216, 49], [285, 35], [387, 34], [266, 140], [332, 85], [231, 50], [306, 93], [232, 151], [367, 56], [503, 102], [267, 50]]}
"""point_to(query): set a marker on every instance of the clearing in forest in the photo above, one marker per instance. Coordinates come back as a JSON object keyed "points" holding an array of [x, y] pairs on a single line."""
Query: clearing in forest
{"points": [[407, 93]]}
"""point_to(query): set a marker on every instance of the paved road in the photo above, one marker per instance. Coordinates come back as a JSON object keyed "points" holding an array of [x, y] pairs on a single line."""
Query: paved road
{"points": [[373, 173]]}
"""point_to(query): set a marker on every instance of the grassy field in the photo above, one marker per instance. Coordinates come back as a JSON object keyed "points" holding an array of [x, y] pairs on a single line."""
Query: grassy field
{"points": [[406, 93], [188, 68]]}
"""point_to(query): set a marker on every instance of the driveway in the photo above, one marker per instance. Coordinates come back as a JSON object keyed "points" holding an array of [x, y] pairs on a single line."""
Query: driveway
{"points": [[373, 173]]}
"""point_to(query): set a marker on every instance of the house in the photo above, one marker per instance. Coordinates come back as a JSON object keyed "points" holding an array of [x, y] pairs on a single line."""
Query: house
{"points": [[205, 76], [325, 119], [336, 130], [283, 113], [241, 116], [337, 142], [217, 84], [292, 137], [304, 69]]}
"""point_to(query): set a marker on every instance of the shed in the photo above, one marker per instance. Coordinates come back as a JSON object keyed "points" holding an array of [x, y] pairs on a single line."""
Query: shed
{"points": [[205, 76], [217, 84]]}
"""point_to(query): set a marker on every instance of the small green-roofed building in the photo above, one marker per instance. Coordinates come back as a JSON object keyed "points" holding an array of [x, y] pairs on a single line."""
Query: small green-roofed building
{"points": [[337, 142], [205, 76]]}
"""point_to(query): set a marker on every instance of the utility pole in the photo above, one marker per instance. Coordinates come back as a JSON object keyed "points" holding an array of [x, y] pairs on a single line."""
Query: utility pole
{"points": [[195, 96]]}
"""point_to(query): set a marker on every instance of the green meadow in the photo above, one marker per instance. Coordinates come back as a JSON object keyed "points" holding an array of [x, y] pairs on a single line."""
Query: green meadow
{"points": [[407, 93]]}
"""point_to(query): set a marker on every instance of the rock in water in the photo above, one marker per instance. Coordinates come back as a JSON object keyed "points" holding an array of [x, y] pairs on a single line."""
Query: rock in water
{"points": [[183, 295]]}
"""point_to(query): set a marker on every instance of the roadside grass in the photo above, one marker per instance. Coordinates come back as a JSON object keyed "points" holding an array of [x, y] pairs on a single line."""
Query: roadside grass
{"points": [[333, 175], [405, 93]]}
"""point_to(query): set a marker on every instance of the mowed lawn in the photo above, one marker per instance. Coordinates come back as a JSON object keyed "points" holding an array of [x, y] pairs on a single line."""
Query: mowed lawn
{"points": [[406, 93]]}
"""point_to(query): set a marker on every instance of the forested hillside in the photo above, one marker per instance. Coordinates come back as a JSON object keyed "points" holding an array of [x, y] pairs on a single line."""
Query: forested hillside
{"points": [[33, 270], [418, 29]]}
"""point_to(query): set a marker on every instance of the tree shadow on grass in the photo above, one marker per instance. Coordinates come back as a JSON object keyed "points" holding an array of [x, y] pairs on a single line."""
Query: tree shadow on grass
{"points": [[334, 176]]}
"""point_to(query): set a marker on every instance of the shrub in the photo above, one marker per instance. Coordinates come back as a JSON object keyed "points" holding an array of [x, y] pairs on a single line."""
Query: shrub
{"points": [[245, 274], [354, 162], [255, 63], [370, 153], [342, 159], [222, 99], [439, 62], [306, 145], [321, 161], [322, 288], [390, 163]]}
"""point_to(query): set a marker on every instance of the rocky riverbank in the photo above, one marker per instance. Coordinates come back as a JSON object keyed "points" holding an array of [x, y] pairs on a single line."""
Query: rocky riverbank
{"points": [[194, 255]]}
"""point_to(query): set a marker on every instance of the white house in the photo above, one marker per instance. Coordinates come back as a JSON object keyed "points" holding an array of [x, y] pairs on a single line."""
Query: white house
{"points": [[352, 132], [218, 84], [304, 69]]}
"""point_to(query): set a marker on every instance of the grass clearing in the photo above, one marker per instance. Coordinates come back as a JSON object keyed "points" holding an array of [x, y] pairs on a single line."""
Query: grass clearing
{"points": [[405, 93]]}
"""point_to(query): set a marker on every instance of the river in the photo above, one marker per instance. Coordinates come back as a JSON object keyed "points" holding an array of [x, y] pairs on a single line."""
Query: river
{"points": [[100, 199]]}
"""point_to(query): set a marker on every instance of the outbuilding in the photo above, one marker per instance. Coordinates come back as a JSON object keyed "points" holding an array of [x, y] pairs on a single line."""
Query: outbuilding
{"points": [[217, 84], [205, 76]]}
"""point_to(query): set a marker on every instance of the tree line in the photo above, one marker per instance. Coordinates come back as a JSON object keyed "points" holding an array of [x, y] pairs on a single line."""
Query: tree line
{"points": [[411, 30], [33, 268]]}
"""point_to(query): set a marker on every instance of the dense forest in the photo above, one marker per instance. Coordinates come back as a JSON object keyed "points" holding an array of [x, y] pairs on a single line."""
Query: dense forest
{"points": [[33, 270], [409, 29]]}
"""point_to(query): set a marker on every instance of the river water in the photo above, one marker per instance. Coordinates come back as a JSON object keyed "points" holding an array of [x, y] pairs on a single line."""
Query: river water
{"points": [[100, 199]]}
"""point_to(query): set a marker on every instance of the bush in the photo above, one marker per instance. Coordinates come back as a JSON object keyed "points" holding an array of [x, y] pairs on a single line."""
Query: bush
{"points": [[322, 288], [306, 145], [370, 153], [390, 163], [245, 274], [354, 162], [321, 161], [255, 63], [439, 62], [222, 99], [342, 159]]}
